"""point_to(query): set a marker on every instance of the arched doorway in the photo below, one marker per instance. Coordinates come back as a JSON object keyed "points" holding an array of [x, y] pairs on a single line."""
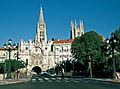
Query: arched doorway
{"points": [[36, 69]]}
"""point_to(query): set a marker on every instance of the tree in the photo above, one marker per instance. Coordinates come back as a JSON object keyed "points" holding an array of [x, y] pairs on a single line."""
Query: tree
{"points": [[14, 64], [117, 34], [67, 65], [1, 67], [117, 56], [87, 45]]}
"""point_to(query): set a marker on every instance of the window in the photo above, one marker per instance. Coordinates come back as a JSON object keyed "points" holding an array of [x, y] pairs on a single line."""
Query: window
{"points": [[26, 48], [56, 49], [51, 47], [40, 39], [78, 33]]}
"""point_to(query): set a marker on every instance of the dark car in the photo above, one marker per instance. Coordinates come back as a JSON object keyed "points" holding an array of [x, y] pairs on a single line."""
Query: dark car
{"points": [[46, 75]]}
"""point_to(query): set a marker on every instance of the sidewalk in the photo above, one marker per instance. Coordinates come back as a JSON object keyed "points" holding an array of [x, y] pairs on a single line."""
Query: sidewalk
{"points": [[12, 81], [105, 80], [112, 80], [69, 75]]}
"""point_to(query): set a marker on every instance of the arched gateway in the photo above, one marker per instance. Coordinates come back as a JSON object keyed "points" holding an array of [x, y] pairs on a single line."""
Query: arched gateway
{"points": [[39, 61], [37, 69]]}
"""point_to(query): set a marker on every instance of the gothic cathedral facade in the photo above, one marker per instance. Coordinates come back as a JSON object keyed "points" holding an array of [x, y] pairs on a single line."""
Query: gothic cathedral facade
{"points": [[43, 53], [37, 52]]}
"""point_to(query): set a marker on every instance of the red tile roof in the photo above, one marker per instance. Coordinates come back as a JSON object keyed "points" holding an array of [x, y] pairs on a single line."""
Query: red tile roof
{"points": [[2, 49], [63, 41]]}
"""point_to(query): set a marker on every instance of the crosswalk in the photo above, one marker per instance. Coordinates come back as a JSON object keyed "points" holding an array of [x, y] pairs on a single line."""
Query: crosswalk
{"points": [[56, 80]]}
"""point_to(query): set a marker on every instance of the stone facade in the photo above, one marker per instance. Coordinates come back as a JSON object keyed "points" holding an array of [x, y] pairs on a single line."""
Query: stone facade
{"points": [[42, 53], [37, 52], [4, 55], [62, 50], [76, 30]]}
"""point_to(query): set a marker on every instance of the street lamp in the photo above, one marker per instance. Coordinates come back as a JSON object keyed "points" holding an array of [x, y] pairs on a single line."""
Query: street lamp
{"points": [[112, 45], [9, 47], [17, 57], [26, 66]]}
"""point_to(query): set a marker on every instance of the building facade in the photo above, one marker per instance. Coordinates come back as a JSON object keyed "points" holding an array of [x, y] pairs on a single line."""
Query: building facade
{"points": [[38, 52], [41, 52]]}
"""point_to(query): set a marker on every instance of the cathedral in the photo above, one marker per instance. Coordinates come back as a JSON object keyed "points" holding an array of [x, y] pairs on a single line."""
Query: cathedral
{"points": [[45, 53], [38, 52]]}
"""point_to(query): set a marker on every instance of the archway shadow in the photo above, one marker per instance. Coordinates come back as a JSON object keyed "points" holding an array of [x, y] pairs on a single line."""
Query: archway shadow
{"points": [[37, 69]]}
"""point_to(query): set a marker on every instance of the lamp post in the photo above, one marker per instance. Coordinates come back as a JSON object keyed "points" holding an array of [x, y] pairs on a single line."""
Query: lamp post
{"points": [[112, 45], [9, 47], [26, 66], [17, 56]]}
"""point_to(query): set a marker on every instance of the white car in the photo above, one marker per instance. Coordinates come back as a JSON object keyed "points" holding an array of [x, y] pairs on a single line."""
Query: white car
{"points": [[33, 73]]}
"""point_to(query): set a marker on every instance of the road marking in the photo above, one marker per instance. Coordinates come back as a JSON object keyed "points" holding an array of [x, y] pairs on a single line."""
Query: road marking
{"points": [[58, 80]]}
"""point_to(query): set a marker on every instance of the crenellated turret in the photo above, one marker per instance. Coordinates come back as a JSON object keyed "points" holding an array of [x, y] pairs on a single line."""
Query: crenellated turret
{"points": [[76, 30]]}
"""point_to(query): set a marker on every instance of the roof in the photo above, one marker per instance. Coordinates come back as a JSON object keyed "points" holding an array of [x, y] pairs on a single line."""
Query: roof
{"points": [[63, 41], [1, 49]]}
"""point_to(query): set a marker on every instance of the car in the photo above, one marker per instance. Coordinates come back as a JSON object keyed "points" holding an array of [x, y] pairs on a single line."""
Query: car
{"points": [[33, 73], [52, 73], [46, 75]]}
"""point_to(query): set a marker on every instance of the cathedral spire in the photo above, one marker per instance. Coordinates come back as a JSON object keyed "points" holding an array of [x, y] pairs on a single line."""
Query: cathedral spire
{"points": [[81, 27], [72, 30], [41, 36], [41, 18]]}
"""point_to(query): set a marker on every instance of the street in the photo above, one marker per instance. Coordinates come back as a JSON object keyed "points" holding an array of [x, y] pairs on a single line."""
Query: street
{"points": [[67, 83]]}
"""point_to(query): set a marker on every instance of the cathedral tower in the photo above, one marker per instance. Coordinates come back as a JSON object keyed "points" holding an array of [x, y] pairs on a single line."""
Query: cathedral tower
{"points": [[76, 30], [41, 29]]}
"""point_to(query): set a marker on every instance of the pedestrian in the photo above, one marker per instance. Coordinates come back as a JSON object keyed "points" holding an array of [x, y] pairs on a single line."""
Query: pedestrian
{"points": [[62, 73], [18, 74]]}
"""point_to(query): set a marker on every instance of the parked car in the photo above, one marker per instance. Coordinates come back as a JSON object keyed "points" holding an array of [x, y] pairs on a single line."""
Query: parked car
{"points": [[52, 73], [34, 74], [45, 74]]}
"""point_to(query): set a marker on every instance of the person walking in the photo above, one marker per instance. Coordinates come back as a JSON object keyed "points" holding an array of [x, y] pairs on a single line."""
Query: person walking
{"points": [[62, 72]]}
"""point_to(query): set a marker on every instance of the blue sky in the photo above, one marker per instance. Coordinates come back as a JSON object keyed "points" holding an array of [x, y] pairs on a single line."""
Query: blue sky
{"points": [[18, 18]]}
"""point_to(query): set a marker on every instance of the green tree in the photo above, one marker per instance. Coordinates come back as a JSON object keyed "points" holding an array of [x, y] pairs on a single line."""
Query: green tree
{"points": [[67, 65], [1, 67], [88, 44], [117, 56], [14, 64], [117, 32]]}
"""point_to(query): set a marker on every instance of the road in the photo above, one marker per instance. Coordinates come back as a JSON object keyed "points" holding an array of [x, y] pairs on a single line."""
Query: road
{"points": [[68, 83]]}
